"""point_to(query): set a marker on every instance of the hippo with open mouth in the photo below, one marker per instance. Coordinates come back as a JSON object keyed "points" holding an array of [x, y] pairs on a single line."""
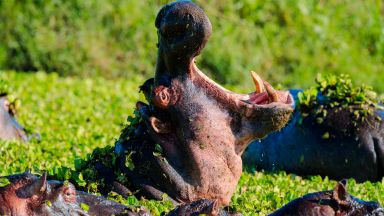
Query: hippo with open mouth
{"points": [[25, 194], [198, 128], [337, 202], [10, 129]]}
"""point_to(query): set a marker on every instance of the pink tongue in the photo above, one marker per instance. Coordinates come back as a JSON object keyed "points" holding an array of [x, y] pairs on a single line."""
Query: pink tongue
{"points": [[261, 98]]}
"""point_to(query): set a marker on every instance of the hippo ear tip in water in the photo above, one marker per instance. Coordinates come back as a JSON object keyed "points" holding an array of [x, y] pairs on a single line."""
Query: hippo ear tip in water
{"points": [[340, 193], [10, 129]]}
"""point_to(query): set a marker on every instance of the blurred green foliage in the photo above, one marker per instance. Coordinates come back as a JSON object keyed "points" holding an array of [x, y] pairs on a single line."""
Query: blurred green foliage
{"points": [[4, 87], [286, 42]]}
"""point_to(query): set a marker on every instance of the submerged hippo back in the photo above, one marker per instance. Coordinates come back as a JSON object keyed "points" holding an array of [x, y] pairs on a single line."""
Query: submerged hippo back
{"points": [[333, 149]]}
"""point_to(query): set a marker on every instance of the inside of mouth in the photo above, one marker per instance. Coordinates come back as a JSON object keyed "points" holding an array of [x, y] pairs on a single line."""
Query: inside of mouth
{"points": [[264, 98], [263, 95], [258, 98]]}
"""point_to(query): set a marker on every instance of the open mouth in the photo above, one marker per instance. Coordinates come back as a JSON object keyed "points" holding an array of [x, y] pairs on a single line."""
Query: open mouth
{"points": [[265, 95]]}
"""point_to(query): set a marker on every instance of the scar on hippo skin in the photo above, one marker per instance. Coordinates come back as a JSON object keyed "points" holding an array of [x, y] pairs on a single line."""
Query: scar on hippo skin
{"points": [[353, 152], [27, 194], [10, 129], [336, 202]]}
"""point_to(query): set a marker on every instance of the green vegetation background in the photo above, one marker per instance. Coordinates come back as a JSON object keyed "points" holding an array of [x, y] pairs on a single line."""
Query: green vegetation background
{"points": [[92, 42], [287, 42]]}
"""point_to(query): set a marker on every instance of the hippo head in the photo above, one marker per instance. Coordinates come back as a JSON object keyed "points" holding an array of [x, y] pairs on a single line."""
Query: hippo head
{"points": [[27, 194], [9, 128], [187, 94], [335, 202], [350, 205], [202, 127]]}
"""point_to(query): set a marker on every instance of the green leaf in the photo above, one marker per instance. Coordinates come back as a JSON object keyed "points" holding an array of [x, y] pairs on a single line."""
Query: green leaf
{"points": [[80, 180], [325, 135], [48, 203], [4, 182], [84, 206], [79, 163]]}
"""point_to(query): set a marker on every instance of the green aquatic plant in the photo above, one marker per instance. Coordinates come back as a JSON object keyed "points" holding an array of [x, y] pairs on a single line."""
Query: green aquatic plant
{"points": [[333, 92], [85, 173]]}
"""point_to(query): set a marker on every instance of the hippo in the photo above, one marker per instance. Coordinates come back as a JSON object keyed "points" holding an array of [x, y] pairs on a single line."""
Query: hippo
{"points": [[10, 129], [302, 148], [27, 194], [187, 140], [337, 202]]}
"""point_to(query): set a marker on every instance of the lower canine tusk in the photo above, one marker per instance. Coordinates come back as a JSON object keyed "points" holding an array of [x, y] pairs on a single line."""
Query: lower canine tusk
{"points": [[271, 92], [258, 82]]}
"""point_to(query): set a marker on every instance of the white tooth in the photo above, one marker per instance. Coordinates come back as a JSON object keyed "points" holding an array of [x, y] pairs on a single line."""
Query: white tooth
{"points": [[271, 92], [258, 82]]}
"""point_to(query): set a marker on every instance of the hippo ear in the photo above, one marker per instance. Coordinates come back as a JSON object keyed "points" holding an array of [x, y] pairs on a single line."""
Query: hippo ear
{"points": [[39, 186], [340, 193], [6, 105]]}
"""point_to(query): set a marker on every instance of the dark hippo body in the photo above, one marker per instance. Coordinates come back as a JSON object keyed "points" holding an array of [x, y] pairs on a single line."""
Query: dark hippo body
{"points": [[200, 207], [336, 202], [301, 149]]}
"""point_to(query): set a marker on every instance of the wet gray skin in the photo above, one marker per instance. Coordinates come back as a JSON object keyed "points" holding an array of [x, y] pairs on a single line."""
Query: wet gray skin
{"points": [[10, 129], [329, 203], [349, 152], [201, 207], [29, 195]]}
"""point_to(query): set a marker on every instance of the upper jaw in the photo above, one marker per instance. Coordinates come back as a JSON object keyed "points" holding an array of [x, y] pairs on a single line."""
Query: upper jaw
{"points": [[265, 97]]}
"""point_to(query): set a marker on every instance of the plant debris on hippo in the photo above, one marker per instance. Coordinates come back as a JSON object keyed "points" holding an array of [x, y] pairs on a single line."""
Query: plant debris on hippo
{"points": [[337, 202], [337, 130], [25, 194], [10, 129], [187, 141]]}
